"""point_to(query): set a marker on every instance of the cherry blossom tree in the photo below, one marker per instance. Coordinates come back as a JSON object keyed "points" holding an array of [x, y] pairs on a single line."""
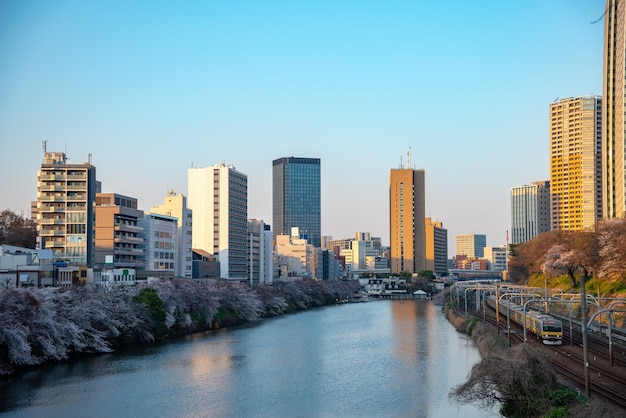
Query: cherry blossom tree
{"points": [[612, 242]]}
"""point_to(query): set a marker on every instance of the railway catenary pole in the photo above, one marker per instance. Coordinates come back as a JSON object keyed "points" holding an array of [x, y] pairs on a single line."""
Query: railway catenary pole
{"points": [[498, 313], [508, 310], [583, 302], [610, 311]]}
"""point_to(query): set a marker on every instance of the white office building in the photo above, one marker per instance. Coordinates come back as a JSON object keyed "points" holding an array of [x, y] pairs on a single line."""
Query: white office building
{"points": [[218, 197]]}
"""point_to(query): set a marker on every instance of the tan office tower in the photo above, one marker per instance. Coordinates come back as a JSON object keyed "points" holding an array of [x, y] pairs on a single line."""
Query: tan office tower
{"points": [[407, 220], [575, 158], [613, 92], [436, 247]]}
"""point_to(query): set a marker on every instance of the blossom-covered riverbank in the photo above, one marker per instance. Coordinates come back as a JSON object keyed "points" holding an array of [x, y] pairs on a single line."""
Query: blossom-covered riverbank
{"points": [[50, 324]]}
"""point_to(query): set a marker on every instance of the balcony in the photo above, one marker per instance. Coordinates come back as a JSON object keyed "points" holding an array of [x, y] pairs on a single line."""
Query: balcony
{"points": [[52, 232], [128, 228], [52, 209], [50, 177], [128, 240], [51, 221], [128, 251], [80, 187], [76, 197], [52, 188], [54, 244], [81, 176], [52, 198]]}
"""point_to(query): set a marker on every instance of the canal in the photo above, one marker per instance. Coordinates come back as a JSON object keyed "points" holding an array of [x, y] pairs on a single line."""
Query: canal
{"points": [[376, 359]]}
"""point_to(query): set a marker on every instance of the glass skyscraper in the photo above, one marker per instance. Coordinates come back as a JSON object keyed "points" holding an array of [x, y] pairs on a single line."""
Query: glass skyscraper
{"points": [[297, 197]]}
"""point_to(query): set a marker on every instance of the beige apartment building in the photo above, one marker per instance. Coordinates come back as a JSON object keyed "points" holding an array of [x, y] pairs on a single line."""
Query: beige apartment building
{"points": [[66, 196], [575, 163], [407, 221], [117, 232]]}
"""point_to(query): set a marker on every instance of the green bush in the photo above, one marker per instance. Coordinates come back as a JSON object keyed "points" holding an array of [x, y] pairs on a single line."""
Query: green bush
{"points": [[151, 300]]}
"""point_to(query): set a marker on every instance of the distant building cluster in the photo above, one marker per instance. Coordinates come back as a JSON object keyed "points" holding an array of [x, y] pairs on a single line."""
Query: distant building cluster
{"points": [[87, 236]]}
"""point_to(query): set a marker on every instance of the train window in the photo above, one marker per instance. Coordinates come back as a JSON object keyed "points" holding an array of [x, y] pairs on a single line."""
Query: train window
{"points": [[552, 327]]}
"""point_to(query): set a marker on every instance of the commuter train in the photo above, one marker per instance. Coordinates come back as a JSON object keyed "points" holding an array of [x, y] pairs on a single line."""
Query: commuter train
{"points": [[544, 327]]}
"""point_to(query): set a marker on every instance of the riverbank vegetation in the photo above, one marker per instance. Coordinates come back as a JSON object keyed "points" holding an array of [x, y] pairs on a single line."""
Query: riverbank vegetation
{"points": [[38, 325], [520, 380]]}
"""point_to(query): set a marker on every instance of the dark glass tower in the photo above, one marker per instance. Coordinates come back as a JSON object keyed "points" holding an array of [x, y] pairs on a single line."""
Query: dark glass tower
{"points": [[296, 197]]}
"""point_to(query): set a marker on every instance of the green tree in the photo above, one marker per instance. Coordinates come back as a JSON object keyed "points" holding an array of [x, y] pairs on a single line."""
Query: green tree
{"points": [[151, 300], [405, 274]]}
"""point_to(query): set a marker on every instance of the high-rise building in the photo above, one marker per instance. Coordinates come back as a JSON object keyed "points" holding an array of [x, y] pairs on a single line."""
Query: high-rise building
{"points": [[530, 211], [407, 207], [471, 245], [66, 197], [296, 203], [117, 232], [176, 206], [218, 197], [575, 163], [436, 247], [613, 108]]}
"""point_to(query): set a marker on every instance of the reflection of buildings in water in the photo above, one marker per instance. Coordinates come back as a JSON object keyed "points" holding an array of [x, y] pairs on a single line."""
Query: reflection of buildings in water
{"points": [[414, 341], [210, 359], [413, 333]]}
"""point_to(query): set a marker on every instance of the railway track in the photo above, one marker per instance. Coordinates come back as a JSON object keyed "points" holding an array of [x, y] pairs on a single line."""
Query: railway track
{"points": [[606, 380]]}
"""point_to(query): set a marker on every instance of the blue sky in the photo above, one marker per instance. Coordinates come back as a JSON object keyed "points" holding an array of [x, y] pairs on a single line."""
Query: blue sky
{"points": [[149, 88]]}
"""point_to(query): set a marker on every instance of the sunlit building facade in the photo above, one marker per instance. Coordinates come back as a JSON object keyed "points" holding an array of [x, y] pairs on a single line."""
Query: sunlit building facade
{"points": [[613, 109], [218, 197], [471, 245], [407, 207], [436, 247], [575, 163]]}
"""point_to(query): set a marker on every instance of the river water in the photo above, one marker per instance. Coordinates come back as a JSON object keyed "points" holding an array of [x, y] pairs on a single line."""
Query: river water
{"points": [[376, 359]]}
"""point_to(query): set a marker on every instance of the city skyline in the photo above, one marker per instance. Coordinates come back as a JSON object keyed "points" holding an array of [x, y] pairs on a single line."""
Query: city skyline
{"points": [[150, 90]]}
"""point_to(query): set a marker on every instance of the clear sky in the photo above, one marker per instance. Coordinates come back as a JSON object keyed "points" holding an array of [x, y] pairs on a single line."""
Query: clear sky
{"points": [[150, 88]]}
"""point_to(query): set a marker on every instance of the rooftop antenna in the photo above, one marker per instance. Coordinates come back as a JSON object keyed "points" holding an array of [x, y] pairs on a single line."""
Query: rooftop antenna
{"points": [[409, 157], [44, 146], [401, 167], [89, 158]]}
